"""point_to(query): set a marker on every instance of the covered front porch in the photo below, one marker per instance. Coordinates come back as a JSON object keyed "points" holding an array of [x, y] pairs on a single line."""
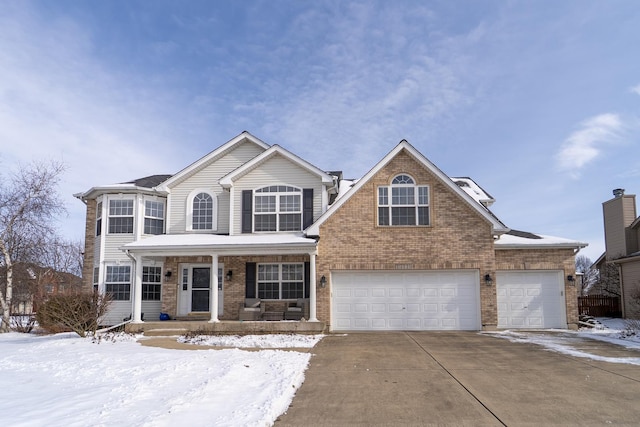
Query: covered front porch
{"points": [[276, 270]]}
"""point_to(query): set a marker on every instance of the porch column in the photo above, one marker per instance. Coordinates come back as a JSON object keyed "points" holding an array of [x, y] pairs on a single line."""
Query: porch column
{"points": [[137, 291], [312, 287], [213, 295]]}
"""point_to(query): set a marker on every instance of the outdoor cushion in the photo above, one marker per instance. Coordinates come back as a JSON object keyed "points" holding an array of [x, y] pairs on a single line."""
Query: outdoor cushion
{"points": [[252, 302], [294, 308], [252, 309]]}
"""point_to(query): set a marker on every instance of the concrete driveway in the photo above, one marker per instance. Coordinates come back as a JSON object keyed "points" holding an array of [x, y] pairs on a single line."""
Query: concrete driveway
{"points": [[460, 378]]}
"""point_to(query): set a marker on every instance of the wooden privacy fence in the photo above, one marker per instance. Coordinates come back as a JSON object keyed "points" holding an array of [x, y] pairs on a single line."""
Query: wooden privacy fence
{"points": [[599, 306]]}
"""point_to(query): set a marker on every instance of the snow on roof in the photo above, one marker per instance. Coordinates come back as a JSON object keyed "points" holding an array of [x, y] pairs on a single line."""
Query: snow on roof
{"points": [[476, 192], [345, 186], [521, 240], [207, 243]]}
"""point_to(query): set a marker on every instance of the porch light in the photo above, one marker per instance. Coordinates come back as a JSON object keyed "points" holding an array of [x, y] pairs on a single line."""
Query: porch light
{"points": [[229, 275], [488, 280], [167, 274], [571, 279], [323, 281]]}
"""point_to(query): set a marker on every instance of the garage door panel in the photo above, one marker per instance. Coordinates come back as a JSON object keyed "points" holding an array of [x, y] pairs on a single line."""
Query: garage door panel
{"points": [[530, 299], [408, 300]]}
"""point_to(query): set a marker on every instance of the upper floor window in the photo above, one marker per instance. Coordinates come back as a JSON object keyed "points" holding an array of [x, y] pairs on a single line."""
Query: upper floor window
{"points": [[121, 216], [278, 208], [202, 212], [99, 219], [153, 217], [403, 202], [118, 282]]}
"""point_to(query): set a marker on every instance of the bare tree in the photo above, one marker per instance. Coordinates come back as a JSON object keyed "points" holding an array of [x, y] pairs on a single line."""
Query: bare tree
{"points": [[608, 282], [29, 203], [589, 273]]}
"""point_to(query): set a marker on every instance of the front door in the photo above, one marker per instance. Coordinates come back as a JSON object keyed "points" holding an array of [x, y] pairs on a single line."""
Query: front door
{"points": [[200, 288], [195, 288]]}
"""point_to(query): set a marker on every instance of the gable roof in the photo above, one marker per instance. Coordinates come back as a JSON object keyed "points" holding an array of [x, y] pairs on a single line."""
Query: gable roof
{"points": [[498, 227], [198, 164], [227, 180]]}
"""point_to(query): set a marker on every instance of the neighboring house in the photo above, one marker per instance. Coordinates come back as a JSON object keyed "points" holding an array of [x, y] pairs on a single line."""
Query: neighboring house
{"points": [[622, 248], [403, 248], [33, 284]]}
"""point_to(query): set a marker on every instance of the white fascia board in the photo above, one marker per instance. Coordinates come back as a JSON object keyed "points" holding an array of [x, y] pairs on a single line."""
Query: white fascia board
{"points": [[569, 245], [119, 189], [227, 180], [498, 227], [212, 155], [222, 249]]}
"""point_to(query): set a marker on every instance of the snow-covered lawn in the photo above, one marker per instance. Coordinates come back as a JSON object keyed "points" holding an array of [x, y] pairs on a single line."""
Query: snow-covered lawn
{"points": [[614, 331], [64, 380]]}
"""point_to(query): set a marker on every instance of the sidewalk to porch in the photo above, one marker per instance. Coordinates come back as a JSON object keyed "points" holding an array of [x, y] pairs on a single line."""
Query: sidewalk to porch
{"points": [[224, 327]]}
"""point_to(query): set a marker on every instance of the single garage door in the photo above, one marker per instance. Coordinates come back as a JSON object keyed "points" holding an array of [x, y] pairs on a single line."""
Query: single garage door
{"points": [[531, 299], [414, 300]]}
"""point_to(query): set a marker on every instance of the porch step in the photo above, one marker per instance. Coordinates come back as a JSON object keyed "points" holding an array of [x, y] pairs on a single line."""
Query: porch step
{"points": [[165, 332], [176, 327]]}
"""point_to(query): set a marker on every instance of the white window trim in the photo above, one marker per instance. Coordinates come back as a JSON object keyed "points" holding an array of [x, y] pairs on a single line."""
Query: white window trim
{"points": [[280, 281], [144, 213], [277, 212], [154, 283], [107, 210], [189, 213], [131, 273], [389, 206]]}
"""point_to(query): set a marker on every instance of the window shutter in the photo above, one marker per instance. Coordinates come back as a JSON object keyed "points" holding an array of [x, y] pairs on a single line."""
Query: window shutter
{"points": [[250, 280], [307, 207], [307, 278], [247, 211]]}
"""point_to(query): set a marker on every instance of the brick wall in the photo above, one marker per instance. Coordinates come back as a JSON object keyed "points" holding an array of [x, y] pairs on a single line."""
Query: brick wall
{"points": [[89, 242], [234, 289], [458, 237]]}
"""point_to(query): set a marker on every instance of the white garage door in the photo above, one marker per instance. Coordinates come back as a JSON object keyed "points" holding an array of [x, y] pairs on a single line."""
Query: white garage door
{"points": [[531, 299], [415, 300]]}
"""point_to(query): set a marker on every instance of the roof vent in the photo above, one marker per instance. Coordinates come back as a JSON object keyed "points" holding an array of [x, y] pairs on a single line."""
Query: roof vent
{"points": [[618, 192]]}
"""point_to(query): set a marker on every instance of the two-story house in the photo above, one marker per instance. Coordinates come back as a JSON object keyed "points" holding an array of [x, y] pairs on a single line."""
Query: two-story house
{"points": [[404, 247]]}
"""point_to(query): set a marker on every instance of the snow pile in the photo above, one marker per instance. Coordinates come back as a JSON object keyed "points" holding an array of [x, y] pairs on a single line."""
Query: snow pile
{"points": [[66, 380], [615, 331], [255, 341]]}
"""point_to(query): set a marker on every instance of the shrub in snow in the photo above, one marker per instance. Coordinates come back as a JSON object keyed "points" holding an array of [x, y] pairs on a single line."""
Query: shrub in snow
{"points": [[79, 312], [631, 328], [23, 323]]}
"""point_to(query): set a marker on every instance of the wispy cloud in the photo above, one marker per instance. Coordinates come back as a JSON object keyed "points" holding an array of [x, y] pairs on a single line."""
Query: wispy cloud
{"points": [[586, 143], [636, 89]]}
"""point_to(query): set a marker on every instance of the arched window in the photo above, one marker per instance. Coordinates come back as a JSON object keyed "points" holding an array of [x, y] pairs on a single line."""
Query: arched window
{"points": [[403, 203], [202, 212]]}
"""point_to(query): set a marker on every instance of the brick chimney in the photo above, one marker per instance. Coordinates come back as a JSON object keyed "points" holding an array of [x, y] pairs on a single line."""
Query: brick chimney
{"points": [[618, 214]]}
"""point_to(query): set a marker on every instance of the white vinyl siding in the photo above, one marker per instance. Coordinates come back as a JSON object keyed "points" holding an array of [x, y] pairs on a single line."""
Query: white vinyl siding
{"points": [[276, 171], [207, 178]]}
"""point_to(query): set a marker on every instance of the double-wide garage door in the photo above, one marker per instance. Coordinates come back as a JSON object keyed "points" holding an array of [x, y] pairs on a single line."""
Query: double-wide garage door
{"points": [[531, 299], [413, 300]]}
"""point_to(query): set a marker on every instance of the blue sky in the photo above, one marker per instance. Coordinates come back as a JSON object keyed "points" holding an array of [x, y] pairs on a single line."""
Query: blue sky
{"points": [[538, 102]]}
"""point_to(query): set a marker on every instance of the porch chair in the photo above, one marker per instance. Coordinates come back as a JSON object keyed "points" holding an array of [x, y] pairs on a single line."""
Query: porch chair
{"points": [[251, 309], [297, 310]]}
